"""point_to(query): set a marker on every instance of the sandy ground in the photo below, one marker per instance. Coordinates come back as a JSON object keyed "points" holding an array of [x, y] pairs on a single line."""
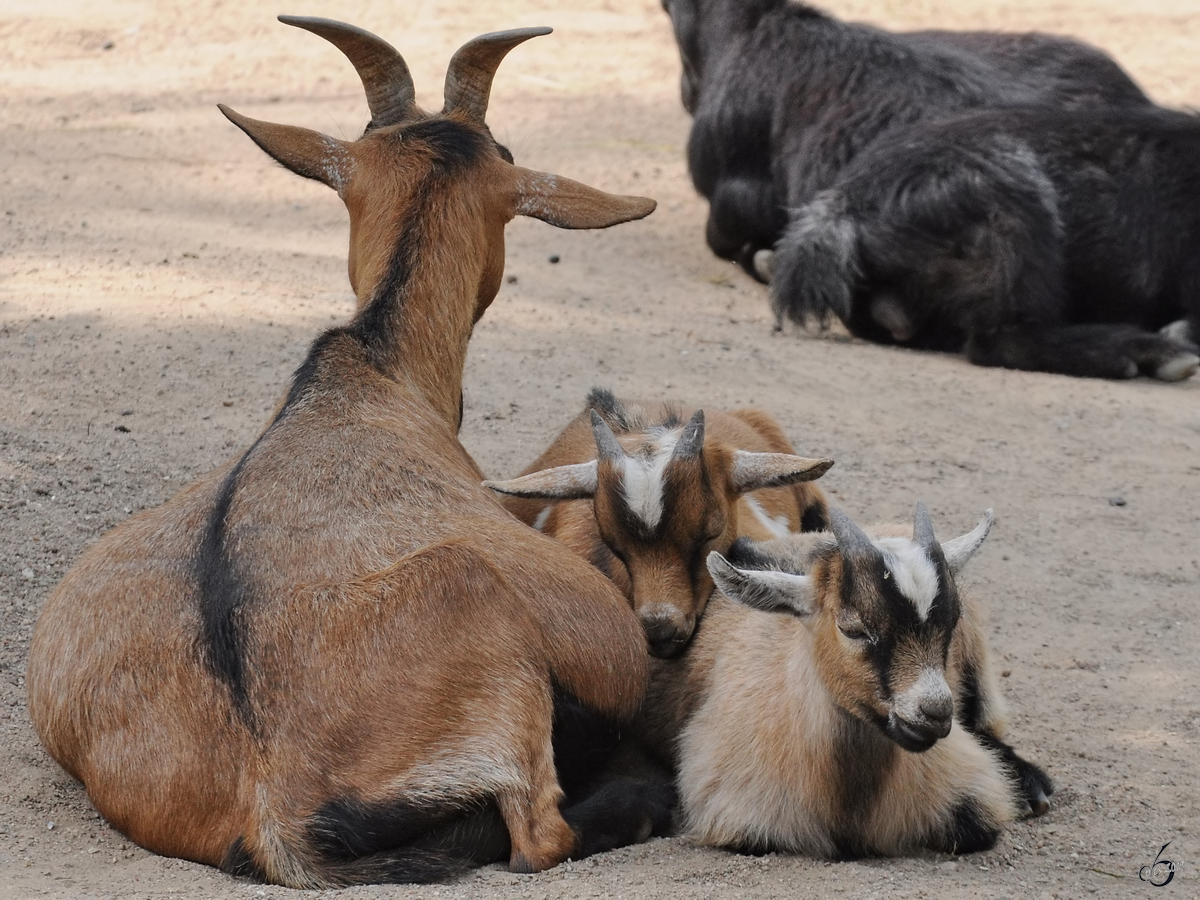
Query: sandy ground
{"points": [[160, 279]]}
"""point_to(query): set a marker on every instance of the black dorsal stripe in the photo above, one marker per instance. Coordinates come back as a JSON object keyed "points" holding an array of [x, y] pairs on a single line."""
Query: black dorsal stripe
{"points": [[223, 597], [225, 593]]}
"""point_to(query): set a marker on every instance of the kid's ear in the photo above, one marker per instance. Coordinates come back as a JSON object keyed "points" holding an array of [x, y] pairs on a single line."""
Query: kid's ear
{"points": [[762, 589], [560, 483], [959, 550], [569, 204], [752, 471], [307, 153]]}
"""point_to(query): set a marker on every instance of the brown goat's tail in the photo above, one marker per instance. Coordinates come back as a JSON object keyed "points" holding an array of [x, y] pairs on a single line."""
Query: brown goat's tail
{"points": [[345, 844]]}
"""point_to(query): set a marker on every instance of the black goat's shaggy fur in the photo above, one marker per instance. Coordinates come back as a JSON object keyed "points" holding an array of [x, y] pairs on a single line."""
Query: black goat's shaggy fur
{"points": [[784, 96], [1030, 238]]}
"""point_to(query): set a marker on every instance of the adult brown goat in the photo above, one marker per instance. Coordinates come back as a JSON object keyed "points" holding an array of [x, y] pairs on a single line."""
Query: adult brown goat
{"points": [[332, 660], [647, 495]]}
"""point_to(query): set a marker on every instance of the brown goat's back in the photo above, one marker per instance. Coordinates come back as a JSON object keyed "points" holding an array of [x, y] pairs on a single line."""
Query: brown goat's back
{"points": [[448, 622]]}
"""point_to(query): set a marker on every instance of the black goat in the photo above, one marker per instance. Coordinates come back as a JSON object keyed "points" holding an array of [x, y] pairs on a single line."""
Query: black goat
{"points": [[784, 96], [1032, 238]]}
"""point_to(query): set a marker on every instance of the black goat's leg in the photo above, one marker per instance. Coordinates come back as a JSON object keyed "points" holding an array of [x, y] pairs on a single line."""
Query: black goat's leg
{"points": [[743, 220], [616, 794], [633, 801], [1094, 350]]}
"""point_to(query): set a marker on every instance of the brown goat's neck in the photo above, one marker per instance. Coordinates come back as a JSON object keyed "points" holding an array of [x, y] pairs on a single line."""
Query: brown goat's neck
{"points": [[416, 319]]}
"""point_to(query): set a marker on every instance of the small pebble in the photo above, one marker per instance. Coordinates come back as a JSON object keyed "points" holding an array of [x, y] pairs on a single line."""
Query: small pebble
{"points": [[1116, 501], [554, 258]]}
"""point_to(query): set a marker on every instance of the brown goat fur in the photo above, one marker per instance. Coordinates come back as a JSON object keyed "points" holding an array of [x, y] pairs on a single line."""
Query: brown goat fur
{"points": [[671, 490], [813, 712], [317, 659]]}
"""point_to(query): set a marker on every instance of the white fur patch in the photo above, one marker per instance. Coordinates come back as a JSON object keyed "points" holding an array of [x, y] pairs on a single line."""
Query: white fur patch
{"points": [[777, 525], [916, 578], [338, 166], [644, 479], [930, 686], [540, 522], [533, 193]]}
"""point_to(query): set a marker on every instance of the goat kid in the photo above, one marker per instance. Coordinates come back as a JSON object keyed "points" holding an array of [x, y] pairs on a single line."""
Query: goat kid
{"points": [[332, 660], [838, 701], [1034, 239], [645, 495], [783, 96]]}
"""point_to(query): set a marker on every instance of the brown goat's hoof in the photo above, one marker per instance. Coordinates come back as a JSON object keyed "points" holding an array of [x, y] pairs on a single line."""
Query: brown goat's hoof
{"points": [[519, 864]]}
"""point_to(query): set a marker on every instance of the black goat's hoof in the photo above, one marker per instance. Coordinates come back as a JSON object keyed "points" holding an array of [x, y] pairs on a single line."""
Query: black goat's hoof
{"points": [[764, 264], [1179, 330], [1177, 368]]}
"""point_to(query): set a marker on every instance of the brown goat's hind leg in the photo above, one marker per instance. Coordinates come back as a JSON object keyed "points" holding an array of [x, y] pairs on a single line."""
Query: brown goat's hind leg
{"points": [[541, 837]]}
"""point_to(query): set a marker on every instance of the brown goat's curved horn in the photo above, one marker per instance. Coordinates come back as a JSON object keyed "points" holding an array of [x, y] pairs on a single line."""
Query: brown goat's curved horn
{"points": [[384, 73], [923, 528], [469, 78], [851, 539], [606, 442], [691, 442]]}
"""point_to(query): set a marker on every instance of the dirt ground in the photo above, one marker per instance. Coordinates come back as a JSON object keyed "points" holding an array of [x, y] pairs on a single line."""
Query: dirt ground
{"points": [[160, 278]]}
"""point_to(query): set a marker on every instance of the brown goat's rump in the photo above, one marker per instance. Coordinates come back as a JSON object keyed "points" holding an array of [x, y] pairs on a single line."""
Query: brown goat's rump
{"points": [[160, 279]]}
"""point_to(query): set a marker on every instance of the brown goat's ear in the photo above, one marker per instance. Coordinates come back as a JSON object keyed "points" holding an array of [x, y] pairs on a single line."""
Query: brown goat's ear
{"points": [[569, 204], [307, 153], [752, 471], [761, 589], [560, 483]]}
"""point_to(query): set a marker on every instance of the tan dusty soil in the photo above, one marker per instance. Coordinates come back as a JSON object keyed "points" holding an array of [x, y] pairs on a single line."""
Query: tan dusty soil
{"points": [[160, 278]]}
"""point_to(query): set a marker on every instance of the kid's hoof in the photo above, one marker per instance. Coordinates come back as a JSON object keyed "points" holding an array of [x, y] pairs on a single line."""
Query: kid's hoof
{"points": [[1036, 806], [1034, 788]]}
